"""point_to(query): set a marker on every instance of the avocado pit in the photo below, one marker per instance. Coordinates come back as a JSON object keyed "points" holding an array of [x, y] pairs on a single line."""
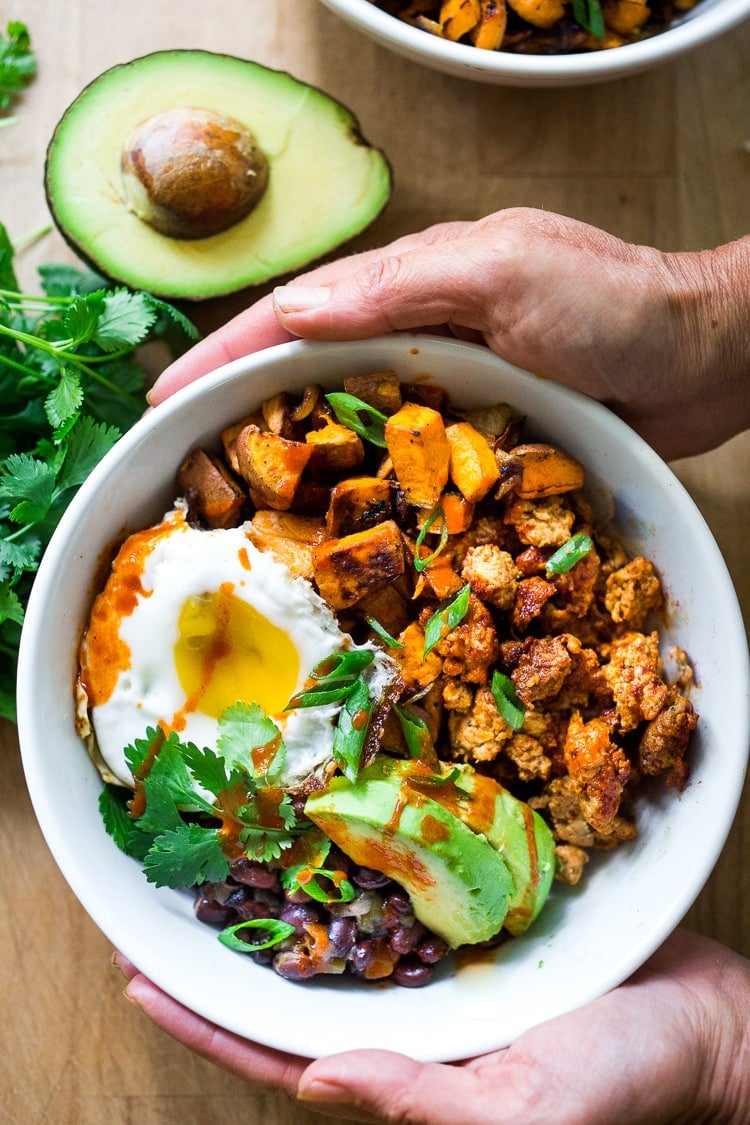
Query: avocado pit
{"points": [[191, 173]]}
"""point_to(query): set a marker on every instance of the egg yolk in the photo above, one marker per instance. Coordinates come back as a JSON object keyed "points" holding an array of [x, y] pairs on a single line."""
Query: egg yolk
{"points": [[228, 652]]}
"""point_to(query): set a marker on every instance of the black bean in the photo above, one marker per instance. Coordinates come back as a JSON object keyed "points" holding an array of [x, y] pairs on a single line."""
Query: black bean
{"points": [[403, 939], [238, 898], [362, 955], [252, 874], [432, 949], [369, 879], [213, 913], [251, 909], [412, 974], [342, 934], [294, 965], [397, 910], [300, 914]]}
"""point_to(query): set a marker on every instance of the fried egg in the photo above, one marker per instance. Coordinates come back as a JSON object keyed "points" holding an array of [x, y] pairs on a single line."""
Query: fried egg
{"points": [[191, 622]]}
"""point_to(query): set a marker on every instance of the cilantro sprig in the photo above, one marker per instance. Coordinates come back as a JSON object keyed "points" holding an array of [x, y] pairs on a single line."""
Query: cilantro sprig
{"points": [[71, 383], [17, 64]]}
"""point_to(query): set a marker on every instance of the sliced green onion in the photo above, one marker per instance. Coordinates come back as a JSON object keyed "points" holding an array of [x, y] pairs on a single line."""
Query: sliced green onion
{"points": [[435, 778], [588, 13], [435, 514], [359, 416], [380, 631], [341, 664], [571, 552], [446, 619], [333, 692], [508, 704], [305, 878], [351, 729], [416, 734], [276, 929]]}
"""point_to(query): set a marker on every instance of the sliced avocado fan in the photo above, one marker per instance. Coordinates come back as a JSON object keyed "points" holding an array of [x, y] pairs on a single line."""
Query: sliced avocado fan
{"points": [[192, 174]]}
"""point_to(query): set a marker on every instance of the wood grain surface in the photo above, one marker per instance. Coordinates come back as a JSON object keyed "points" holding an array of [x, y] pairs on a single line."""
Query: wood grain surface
{"points": [[658, 159]]}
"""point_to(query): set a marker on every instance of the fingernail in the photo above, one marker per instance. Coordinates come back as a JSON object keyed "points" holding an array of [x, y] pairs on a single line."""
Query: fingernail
{"points": [[318, 1090], [299, 298]]}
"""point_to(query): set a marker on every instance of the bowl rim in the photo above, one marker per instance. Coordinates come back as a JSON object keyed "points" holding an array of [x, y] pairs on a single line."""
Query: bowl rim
{"points": [[699, 26], [119, 930]]}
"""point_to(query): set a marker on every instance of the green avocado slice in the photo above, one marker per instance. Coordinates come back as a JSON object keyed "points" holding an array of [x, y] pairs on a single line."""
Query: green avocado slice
{"points": [[325, 183], [457, 882]]}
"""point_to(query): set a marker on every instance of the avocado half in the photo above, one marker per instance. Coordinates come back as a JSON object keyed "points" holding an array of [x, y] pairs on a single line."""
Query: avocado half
{"points": [[323, 182]]}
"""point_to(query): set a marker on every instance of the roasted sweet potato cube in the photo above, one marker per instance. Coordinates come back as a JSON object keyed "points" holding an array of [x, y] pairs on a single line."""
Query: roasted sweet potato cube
{"points": [[289, 537], [388, 608], [357, 503], [210, 490], [488, 33], [311, 498], [457, 17], [426, 394], [334, 449], [546, 471], [473, 467], [379, 389], [419, 449], [230, 434], [348, 569], [459, 512], [417, 670], [271, 465]]}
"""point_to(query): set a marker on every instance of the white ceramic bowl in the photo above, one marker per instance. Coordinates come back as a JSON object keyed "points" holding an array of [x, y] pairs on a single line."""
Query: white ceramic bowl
{"points": [[709, 19], [587, 939]]}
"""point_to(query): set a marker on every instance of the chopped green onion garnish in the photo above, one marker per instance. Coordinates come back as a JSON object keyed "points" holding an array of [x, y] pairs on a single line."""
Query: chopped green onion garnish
{"points": [[441, 623], [435, 514], [305, 878], [365, 420], [351, 729], [330, 691], [276, 929], [588, 13], [508, 704], [416, 734], [382, 632], [571, 552], [341, 664]]}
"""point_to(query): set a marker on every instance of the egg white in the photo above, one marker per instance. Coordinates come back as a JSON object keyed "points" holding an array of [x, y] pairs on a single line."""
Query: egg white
{"points": [[186, 562]]}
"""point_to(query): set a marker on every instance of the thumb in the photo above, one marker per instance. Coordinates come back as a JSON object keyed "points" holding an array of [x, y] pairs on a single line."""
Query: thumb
{"points": [[371, 1085], [430, 284]]}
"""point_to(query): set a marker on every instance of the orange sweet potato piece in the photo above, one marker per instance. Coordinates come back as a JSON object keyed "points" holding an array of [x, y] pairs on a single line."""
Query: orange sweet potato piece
{"points": [[625, 16], [334, 449], [473, 467], [289, 537], [419, 449], [540, 13], [488, 33], [271, 465], [351, 567], [230, 434], [357, 503], [210, 490], [379, 389], [457, 17], [545, 471]]}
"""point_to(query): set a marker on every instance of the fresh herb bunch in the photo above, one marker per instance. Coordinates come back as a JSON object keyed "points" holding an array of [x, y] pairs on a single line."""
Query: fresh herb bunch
{"points": [[70, 385], [17, 63]]}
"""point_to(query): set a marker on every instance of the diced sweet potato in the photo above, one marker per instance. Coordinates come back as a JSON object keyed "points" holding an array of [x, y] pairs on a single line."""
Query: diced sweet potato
{"points": [[419, 449], [335, 449], [459, 513], [271, 465], [311, 498], [426, 394], [417, 670], [546, 471], [210, 490], [349, 568], [625, 16], [457, 17], [488, 33], [358, 503], [289, 537], [473, 467], [540, 13], [231, 433], [380, 389], [388, 608]]}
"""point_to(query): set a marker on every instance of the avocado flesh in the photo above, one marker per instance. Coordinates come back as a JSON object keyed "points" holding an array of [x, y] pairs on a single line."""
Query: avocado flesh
{"points": [[325, 184], [457, 882], [518, 833]]}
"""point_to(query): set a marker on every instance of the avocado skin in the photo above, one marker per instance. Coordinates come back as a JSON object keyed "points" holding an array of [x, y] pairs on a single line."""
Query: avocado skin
{"points": [[331, 201], [457, 882]]}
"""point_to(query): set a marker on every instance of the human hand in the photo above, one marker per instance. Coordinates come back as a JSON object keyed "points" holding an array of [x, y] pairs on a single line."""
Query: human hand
{"points": [[661, 338], [671, 1044]]}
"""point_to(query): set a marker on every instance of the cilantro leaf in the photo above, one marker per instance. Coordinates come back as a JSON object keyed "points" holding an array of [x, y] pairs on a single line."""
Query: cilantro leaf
{"points": [[10, 605], [62, 403], [126, 833], [171, 772], [208, 769], [86, 445], [245, 727], [124, 320], [141, 749], [17, 61], [184, 856]]}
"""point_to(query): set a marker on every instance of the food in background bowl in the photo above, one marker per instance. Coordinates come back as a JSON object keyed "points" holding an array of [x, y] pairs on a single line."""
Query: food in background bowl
{"points": [[345, 675], [588, 938]]}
